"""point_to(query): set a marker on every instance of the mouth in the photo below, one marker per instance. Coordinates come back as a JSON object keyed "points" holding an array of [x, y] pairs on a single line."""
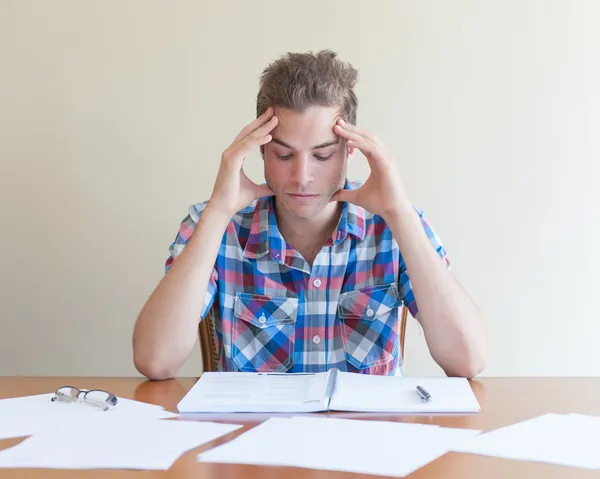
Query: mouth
{"points": [[302, 196]]}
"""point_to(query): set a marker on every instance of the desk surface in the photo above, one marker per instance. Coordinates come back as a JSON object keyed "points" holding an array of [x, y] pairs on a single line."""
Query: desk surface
{"points": [[503, 401]]}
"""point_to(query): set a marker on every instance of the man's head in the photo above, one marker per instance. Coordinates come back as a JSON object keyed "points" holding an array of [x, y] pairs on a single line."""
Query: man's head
{"points": [[306, 162], [301, 80]]}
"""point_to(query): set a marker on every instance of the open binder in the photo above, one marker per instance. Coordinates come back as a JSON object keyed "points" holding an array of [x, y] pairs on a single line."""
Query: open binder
{"points": [[333, 390]]}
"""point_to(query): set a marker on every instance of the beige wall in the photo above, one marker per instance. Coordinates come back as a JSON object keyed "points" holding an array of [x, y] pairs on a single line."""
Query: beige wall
{"points": [[113, 115]]}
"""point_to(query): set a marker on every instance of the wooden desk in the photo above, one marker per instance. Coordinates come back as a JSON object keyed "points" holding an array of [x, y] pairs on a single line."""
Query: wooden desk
{"points": [[503, 401]]}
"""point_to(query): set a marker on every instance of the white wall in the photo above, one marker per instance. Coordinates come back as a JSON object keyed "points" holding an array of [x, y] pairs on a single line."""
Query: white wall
{"points": [[113, 115]]}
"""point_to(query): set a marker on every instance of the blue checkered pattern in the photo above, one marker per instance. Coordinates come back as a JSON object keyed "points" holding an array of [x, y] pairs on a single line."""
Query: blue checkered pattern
{"points": [[277, 313]]}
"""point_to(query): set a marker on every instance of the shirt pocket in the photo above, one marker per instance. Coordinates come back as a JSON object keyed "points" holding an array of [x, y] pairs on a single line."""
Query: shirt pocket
{"points": [[263, 332], [369, 322]]}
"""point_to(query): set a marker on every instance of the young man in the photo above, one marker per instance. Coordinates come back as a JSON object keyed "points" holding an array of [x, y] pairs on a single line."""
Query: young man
{"points": [[308, 271]]}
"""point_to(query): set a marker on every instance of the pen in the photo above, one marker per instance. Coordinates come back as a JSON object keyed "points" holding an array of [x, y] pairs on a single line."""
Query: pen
{"points": [[423, 394]]}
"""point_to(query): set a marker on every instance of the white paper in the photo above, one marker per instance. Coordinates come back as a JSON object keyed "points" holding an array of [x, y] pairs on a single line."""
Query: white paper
{"points": [[568, 440], [370, 393], [256, 392], [111, 442], [387, 448], [24, 416]]}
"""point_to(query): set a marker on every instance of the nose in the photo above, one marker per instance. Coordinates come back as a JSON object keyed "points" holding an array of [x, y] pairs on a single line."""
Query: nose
{"points": [[301, 170]]}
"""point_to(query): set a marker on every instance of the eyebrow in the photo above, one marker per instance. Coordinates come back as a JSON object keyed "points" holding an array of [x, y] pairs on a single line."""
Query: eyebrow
{"points": [[318, 147]]}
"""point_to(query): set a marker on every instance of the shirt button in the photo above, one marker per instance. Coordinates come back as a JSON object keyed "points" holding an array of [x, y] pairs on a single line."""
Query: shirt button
{"points": [[316, 339], [262, 319], [317, 282], [370, 312]]}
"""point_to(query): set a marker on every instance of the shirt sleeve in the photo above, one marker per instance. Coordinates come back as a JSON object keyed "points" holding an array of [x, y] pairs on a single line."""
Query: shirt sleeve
{"points": [[186, 228], [405, 287]]}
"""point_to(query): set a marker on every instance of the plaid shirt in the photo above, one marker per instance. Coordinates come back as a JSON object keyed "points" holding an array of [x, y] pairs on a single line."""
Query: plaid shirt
{"points": [[277, 313]]}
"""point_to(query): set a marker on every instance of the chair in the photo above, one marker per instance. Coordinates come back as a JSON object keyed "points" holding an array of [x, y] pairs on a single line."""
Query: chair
{"points": [[208, 343]]}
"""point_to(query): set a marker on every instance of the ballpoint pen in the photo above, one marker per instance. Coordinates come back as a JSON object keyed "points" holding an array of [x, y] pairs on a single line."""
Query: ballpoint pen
{"points": [[423, 394]]}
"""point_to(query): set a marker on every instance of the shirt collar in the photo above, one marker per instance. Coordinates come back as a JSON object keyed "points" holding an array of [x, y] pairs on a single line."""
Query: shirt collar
{"points": [[352, 219], [265, 237]]}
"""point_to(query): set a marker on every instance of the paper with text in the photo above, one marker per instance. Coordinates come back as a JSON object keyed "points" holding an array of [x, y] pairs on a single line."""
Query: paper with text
{"points": [[256, 392]]}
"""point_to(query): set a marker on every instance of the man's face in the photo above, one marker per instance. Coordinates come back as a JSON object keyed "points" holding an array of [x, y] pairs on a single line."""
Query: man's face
{"points": [[305, 163]]}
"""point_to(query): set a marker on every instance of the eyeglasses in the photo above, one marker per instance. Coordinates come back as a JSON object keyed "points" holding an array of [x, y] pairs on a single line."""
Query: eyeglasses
{"points": [[94, 397]]}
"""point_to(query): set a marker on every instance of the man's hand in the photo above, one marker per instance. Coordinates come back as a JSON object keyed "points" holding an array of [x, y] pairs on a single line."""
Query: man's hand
{"points": [[233, 190], [383, 192]]}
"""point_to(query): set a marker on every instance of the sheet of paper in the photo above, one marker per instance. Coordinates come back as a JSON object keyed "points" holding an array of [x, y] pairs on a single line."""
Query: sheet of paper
{"points": [[23, 416], [370, 393], [255, 392], [568, 440], [396, 449], [111, 442]]}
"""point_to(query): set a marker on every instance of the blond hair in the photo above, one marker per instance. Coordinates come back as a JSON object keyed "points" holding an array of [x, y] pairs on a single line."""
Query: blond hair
{"points": [[301, 80]]}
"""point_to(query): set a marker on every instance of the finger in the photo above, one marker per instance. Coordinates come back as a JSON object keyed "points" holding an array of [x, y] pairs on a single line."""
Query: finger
{"points": [[348, 196], [347, 134], [368, 148], [355, 129], [250, 142], [261, 120], [266, 128], [263, 190], [240, 150], [259, 191]]}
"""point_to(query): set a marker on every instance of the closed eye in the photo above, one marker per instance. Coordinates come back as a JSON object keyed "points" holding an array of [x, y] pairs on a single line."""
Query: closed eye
{"points": [[318, 157]]}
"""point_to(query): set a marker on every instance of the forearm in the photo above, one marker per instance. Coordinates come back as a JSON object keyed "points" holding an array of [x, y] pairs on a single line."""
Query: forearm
{"points": [[167, 327], [453, 325]]}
